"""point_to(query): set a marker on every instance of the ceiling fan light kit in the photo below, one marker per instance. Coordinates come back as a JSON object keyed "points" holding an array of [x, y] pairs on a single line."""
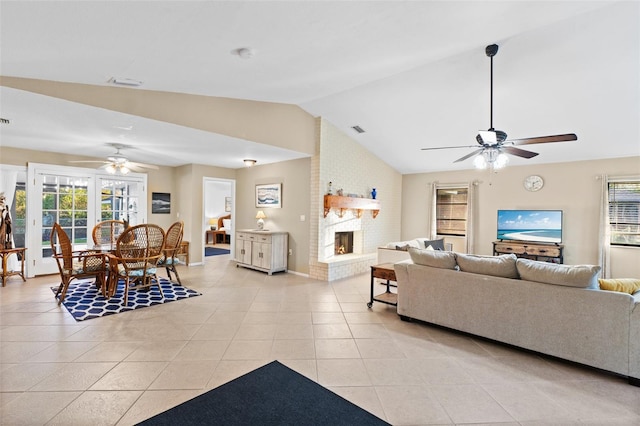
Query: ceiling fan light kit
{"points": [[494, 146]]}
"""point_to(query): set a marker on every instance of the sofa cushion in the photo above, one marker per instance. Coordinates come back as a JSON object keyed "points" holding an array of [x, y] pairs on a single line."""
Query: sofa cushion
{"points": [[434, 244], [434, 258], [497, 266], [624, 285], [552, 273]]}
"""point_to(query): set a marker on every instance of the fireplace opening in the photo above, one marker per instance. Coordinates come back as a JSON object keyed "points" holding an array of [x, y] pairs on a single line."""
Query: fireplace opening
{"points": [[344, 242]]}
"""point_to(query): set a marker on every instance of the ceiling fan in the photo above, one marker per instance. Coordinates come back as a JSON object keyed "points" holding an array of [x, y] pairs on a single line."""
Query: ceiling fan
{"points": [[118, 163], [494, 144]]}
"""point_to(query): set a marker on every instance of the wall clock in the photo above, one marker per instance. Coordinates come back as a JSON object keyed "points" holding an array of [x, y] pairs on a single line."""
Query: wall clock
{"points": [[533, 183]]}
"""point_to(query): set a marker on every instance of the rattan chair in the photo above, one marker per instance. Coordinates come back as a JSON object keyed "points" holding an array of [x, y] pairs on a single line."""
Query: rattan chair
{"points": [[76, 264], [138, 250], [107, 232], [173, 238]]}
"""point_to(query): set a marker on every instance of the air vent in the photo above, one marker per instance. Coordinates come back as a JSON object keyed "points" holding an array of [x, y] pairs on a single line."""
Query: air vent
{"points": [[125, 82], [358, 129], [4, 121]]}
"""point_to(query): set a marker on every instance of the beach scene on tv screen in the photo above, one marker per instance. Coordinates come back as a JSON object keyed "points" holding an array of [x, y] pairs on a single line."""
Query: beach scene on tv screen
{"points": [[543, 226]]}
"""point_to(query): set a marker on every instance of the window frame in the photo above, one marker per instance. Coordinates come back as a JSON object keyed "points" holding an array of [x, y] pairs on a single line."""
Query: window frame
{"points": [[619, 209]]}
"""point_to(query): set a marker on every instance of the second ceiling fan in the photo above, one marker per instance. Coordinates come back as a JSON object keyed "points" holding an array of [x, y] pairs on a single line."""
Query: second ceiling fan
{"points": [[494, 144]]}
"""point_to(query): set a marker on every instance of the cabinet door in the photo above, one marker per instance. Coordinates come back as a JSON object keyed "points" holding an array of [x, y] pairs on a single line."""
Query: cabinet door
{"points": [[243, 251], [261, 255]]}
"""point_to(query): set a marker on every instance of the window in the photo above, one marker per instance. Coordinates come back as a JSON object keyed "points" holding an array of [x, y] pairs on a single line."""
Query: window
{"points": [[19, 213], [624, 213], [451, 211]]}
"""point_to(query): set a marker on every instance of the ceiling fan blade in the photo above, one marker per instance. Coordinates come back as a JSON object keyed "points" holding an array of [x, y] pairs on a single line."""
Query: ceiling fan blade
{"points": [[87, 161], [472, 154], [544, 139], [518, 152], [448, 147], [142, 165]]}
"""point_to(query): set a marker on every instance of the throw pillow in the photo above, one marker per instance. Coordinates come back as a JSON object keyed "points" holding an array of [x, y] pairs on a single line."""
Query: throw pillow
{"points": [[624, 285], [496, 266], [552, 273], [435, 244], [434, 258], [403, 248]]}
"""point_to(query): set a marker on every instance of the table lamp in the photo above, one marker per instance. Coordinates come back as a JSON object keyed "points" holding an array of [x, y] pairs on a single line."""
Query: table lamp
{"points": [[260, 216], [213, 222]]}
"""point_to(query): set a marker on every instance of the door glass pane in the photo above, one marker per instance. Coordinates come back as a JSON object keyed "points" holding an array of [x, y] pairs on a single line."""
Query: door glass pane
{"points": [[119, 200], [64, 200]]}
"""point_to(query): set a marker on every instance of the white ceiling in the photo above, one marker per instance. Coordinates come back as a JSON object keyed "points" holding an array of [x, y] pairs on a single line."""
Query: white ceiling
{"points": [[412, 74]]}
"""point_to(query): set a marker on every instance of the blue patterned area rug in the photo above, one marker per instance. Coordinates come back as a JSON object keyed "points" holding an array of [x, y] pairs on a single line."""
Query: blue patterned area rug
{"points": [[84, 301]]}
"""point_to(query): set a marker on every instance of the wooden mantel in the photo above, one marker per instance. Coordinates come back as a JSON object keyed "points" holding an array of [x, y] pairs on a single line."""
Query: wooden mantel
{"points": [[342, 204]]}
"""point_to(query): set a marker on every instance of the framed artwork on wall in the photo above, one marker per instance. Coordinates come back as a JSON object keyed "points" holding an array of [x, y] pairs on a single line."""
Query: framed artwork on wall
{"points": [[269, 195], [160, 203], [227, 204]]}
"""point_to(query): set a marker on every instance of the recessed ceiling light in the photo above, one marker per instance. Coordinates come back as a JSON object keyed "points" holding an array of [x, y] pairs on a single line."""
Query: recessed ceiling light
{"points": [[125, 82]]}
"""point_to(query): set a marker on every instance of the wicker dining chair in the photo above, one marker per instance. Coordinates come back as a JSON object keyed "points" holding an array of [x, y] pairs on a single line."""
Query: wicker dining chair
{"points": [[173, 238], [138, 250], [76, 264], [108, 231]]}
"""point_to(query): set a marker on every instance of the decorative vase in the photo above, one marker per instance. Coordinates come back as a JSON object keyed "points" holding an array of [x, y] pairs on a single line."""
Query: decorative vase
{"points": [[374, 193]]}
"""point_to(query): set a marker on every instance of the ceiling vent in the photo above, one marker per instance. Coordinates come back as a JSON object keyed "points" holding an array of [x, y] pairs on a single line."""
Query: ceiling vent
{"points": [[4, 121], [125, 82], [358, 129]]}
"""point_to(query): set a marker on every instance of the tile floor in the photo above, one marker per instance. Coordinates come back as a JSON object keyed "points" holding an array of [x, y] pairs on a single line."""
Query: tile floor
{"points": [[122, 369]]}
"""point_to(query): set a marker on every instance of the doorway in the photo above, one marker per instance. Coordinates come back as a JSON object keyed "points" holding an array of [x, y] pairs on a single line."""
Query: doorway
{"points": [[218, 202]]}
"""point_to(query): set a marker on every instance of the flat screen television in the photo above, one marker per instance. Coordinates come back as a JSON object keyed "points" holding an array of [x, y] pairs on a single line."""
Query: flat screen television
{"points": [[539, 226]]}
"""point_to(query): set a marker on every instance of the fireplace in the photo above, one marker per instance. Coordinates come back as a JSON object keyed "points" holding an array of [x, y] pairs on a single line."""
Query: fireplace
{"points": [[343, 242]]}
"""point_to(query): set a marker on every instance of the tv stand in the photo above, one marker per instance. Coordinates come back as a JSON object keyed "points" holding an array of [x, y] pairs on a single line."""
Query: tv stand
{"points": [[545, 252]]}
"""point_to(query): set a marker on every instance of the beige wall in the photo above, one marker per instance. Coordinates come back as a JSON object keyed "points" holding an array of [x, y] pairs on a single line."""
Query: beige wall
{"points": [[295, 178], [189, 202], [571, 187], [283, 125]]}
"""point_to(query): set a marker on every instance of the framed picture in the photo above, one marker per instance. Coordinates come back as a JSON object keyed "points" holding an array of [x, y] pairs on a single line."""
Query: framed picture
{"points": [[269, 195], [160, 203], [227, 204]]}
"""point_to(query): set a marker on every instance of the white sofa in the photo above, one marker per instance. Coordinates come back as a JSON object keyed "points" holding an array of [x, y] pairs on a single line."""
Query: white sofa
{"points": [[397, 251], [552, 309]]}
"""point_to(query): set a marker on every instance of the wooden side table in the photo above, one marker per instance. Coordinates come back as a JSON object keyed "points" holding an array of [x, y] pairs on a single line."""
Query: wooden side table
{"points": [[184, 251], [5, 253], [214, 236], [386, 272]]}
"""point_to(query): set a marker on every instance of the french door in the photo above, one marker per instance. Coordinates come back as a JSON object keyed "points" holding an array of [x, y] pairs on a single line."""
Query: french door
{"points": [[119, 199], [77, 199]]}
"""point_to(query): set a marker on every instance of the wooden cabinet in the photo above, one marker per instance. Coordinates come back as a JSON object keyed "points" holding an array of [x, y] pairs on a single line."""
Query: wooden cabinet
{"points": [[536, 251], [265, 251]]}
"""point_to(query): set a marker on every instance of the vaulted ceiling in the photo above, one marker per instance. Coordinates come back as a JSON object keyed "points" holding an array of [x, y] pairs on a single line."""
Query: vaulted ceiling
{"points": [[411, 74]]}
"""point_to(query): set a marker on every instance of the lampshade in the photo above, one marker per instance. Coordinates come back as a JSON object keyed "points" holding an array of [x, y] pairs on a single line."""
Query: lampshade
{"points": [[213, 222], [261, 216]]}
